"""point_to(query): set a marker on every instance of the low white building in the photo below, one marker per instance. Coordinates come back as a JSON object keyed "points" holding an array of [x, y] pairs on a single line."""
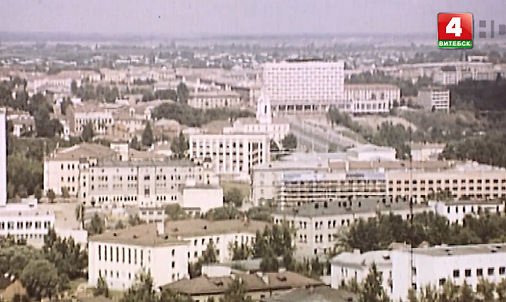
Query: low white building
{"points": [[199, 199], [164, 250], [25, 222], [215, 99], [370, 98], [426, 151], [355, 266], [456, 211], [437, 265], [371, 153]]}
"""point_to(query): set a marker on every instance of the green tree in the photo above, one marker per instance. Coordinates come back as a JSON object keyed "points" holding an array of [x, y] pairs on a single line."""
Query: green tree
{"points": [[70, 259], [467, 294], [142, 290], [500, 289], [102, 288], [235, 293], [175, 212], [168, 295], [80, 211], [73, 87], [289, 142], [41, 280], [65, 192], [485, 290], [51, 195], [240, 252], [210, 254], [96, 225], [372, 287], [120, 225], [269, 262], [182, 93], [88, 133], [147, 136], [234, 196], [179, 146], [134, 143]]}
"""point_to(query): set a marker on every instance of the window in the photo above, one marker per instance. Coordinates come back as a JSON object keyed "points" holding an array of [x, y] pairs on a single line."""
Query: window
{"points": [[468, 273], [442, 281], [490, 271], [479, 272], [99, 252], [173, 264], [502, 270], [456, 273]]}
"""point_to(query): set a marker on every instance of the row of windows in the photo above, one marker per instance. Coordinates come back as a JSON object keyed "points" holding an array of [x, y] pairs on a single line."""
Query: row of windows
{"points": [[479, 272], [22, 225], [447, 181]]}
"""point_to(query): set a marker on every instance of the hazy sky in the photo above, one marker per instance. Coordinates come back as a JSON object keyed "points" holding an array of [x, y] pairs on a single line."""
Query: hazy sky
{"points": [[182, 17]]}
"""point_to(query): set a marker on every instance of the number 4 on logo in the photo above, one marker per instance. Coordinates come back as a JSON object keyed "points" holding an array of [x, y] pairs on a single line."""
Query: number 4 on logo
{"points": [[454, 27]]}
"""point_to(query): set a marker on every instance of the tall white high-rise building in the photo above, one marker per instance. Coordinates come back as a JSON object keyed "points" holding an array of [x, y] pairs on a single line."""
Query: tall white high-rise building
{"points": [[303, 85], [3, 158]]}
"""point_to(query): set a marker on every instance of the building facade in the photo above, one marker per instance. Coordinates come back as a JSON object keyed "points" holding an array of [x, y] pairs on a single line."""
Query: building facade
{"points": [[369, 98], [303, 86], [231, 154], [215, 99], [163, 249], [435, 99], [318, 225]]}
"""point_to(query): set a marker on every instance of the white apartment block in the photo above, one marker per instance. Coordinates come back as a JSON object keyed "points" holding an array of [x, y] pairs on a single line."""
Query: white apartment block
{"points": [[319, 224], [437, 265], [369, 98], [231, 154], [436, 99], [456, 211], [142, 183], [349, 267], [215, 99], [303, 86], [294, 183], [426, 151], [164, 250]]}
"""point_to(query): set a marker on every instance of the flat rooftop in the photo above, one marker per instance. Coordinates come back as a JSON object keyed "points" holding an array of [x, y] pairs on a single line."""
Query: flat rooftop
{"points": [[461, 250]]}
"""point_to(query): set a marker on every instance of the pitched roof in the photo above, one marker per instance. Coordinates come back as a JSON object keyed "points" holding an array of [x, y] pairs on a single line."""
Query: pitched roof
{"points": [[177, 231], [318, 294], [84, 150], [204, 285]]}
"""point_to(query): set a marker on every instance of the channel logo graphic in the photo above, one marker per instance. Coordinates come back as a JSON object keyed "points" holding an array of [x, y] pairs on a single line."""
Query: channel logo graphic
{"points": [[455, 30]]}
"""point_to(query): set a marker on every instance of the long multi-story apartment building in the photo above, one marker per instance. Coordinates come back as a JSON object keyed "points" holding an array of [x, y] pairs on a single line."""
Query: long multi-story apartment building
{"points": [[291, 184], [303, 85], [163, 249], [369, 98], [143, 183], [98, 175], [319, 224], [231, 154]]}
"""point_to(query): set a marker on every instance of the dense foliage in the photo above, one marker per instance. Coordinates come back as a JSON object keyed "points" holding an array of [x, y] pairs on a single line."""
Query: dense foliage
{"points": [[44, 272], [482, 95], [488, 149], [193, 117], [378, 233]]}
